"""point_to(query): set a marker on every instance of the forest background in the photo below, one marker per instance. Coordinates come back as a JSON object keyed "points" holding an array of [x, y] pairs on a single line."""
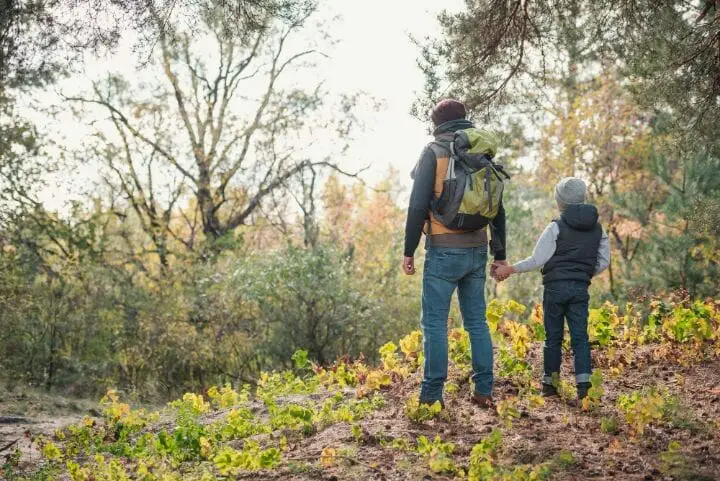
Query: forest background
{"points": [[198, 214]]}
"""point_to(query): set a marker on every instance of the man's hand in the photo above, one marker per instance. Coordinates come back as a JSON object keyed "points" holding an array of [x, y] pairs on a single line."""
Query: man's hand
{"points": [[408, 265], [494, 266], [503, 271]]}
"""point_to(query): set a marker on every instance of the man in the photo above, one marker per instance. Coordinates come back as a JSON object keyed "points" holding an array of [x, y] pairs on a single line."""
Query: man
{"points": [[454, 259]]}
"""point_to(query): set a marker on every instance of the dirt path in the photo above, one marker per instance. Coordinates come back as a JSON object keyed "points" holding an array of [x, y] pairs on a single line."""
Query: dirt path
{"points": [[24, 416]]}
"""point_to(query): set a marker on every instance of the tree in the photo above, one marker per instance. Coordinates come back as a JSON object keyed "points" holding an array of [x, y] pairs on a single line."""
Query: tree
{"points": [[234, 151], [682, 250], [23, 218], [609, 86], [494, 52], [38, 37]]}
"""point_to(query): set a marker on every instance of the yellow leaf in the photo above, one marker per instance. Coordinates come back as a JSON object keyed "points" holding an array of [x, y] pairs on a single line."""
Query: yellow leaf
{"points": [[327, 457], [205, 447]]}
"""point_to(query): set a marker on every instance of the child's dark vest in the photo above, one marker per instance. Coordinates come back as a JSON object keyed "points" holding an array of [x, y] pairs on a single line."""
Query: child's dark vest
{"points": [[576, 251]]}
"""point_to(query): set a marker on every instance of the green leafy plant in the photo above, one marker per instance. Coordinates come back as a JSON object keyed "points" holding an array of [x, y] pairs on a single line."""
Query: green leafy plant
{"points": [[508, 409], [300, 358], [565, 459], [510, 366], [459, 348], [389, 356], [609, 425], [411, 347], [595, 393], [483, 455], [420, 412], [642, 409], [603, 324], [226, 396], [483, 464], [251, 458], [272, 385], [674, 462], [239, 423], [49, 450], [438, 455], [291, 416]]}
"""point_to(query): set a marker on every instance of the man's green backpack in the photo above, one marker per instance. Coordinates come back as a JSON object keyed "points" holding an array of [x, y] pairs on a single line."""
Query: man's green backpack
{"points": [[473, 186]]}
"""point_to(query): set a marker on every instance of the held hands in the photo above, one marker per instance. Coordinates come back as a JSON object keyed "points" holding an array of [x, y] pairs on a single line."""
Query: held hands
{"points": [[500, 270]]}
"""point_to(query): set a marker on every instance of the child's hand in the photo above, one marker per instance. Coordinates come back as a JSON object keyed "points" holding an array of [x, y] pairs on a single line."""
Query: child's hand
{"points": [[502, 272]]}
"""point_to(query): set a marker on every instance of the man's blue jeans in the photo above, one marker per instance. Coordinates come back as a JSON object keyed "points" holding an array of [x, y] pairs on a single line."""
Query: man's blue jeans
{"points": [[446, 269], [566, 300]]}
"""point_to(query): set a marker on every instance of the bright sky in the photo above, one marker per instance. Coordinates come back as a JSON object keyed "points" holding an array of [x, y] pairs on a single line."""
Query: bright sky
{"points": [[374, 54]]}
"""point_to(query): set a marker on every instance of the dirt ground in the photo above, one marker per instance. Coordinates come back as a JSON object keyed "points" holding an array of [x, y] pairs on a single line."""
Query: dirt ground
{"points": [[24, 415], [539, 434]]}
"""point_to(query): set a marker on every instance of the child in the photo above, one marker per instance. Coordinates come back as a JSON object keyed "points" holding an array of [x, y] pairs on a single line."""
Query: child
{"points": [[571, 250]]}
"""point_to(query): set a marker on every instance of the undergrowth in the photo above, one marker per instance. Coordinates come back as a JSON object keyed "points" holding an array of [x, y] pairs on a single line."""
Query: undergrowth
{"points": [[227, 431]]}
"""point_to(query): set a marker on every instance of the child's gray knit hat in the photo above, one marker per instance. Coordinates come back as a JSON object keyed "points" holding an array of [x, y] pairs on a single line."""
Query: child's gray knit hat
{"points": [[570, 190]]}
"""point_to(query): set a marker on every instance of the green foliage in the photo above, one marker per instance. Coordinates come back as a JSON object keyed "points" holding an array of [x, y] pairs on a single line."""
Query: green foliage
{"points": [[50, 451], [609, 425], [85, 322], [10, 466], [673, 461], [271, 385], [239, 423], [603, 325], [341, 374], [421, 412], [251, 458], [334, 410], [291, 416], [226, 396], [229, 432], [685, 258], [508, 410], [483, 455], [438, 455], [308, 301], [566, 389], [356, 432], [411, 346], [484, 467], [595, 393], [459, 348], [689, 324], [388, 355], [565, 459], [517, 369], [642, 409], [300, 358]]}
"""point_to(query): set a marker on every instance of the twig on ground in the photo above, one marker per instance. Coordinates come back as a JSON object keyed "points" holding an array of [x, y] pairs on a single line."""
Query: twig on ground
{"points": [[9, 445]]}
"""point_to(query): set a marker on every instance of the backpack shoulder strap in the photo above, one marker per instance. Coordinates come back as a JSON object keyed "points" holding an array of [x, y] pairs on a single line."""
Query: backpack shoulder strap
{"points": [[444, 149], [441, 148]]}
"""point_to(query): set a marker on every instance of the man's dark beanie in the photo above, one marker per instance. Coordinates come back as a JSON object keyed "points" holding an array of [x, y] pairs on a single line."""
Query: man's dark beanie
{"points": [[447, 110]]}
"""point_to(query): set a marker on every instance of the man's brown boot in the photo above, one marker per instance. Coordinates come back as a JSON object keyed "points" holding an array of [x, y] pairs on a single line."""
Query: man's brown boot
{"points": [[484, 402]]}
